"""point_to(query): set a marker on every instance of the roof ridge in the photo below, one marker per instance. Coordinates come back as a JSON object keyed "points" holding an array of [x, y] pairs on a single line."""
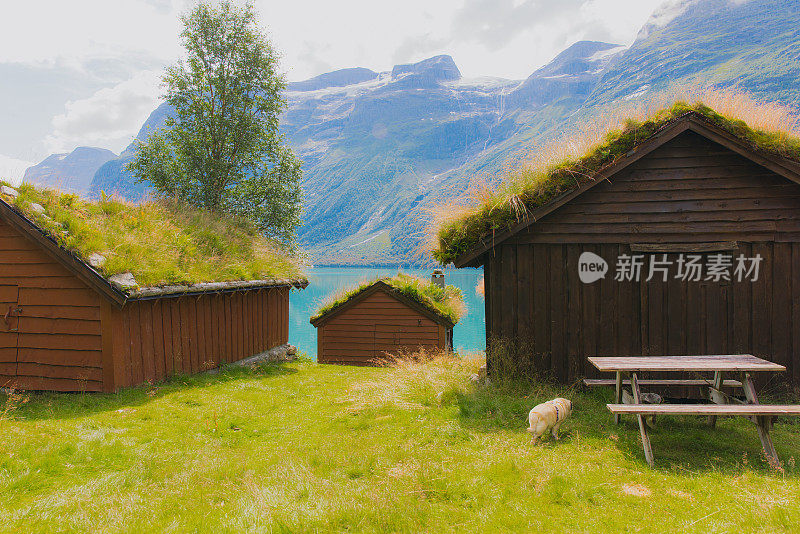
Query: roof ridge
{"points": [[359, 292]]}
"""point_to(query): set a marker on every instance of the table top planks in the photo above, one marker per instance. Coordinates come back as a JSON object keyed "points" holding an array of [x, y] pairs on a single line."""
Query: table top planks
{"points": [[729, 362]]}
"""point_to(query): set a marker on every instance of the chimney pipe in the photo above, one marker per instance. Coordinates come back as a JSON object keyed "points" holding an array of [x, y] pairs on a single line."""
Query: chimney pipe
{"points": [[437, 278]]}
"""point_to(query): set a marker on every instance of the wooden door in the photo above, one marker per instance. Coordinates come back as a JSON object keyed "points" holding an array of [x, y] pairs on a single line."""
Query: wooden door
{"points": [[9, 326]]}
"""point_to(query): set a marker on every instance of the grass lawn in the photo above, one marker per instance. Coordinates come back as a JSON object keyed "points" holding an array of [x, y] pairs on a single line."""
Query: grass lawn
{"points": [[417, 448]]}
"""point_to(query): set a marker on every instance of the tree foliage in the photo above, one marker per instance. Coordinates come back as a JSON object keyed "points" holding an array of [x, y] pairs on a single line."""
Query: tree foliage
{"points": [[220, 148]]}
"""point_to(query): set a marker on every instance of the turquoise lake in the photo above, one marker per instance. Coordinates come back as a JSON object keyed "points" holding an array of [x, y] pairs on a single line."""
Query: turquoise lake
{"points": [[469, 334]]}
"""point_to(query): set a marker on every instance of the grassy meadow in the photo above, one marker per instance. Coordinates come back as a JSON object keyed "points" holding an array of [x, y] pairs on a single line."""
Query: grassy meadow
{"points": [[417, 447]]}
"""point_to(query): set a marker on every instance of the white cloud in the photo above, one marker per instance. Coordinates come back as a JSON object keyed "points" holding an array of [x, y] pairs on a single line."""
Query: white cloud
{"points": [[504, 38], [107, 119], [74, 32], [12, 169], [511, 37], [112, 41]]}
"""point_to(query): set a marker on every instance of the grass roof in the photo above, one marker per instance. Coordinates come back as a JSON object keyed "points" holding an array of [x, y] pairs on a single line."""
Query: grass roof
{"points": [[159, 243], [445, 302], [461, 225]]}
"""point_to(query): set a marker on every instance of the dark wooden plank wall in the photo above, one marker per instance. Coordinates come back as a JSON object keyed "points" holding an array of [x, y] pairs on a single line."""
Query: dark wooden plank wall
{"points": [[571, 320], [59, 341], [690, 190], [155, 339], [373, 327]]}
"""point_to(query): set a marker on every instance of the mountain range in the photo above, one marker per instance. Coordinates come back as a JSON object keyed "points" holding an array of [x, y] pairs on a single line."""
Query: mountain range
{"points": [[72, 172], [379, 148]]}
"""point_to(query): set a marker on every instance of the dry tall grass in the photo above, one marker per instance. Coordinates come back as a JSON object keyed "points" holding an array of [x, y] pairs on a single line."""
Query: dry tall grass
{"points": [[527, 173], [14, 399], [416, 380]]}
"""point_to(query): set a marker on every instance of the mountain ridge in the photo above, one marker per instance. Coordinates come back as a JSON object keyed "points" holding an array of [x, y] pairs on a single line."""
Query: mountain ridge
{"points": [[379, 148]]}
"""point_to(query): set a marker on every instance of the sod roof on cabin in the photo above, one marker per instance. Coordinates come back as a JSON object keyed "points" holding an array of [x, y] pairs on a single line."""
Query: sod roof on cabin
{"points": [[158, 243], [523, 193], [444, 303]]}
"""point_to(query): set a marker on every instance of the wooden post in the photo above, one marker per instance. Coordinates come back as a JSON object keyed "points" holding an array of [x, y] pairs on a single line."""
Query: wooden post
{"points": [[712, 419], [618, 396], [762, 422], [637, 397]]}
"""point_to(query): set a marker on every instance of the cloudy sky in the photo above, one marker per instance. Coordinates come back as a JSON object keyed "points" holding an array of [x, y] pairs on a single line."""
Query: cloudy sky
{"points": [[86, 72]]}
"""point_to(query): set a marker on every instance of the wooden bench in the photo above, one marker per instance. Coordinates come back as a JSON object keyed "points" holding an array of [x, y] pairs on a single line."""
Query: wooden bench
{"points": [[706, 409], [610, 382], [760, 414]]}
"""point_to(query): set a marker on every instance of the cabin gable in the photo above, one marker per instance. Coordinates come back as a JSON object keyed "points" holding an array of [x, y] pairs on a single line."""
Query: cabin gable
{"points": [[690, 189], [379, 323], [51, 337]]}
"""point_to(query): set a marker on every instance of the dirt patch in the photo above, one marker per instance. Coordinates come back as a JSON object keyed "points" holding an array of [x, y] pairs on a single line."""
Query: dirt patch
{"points": [[403, 469], [637, 490]]}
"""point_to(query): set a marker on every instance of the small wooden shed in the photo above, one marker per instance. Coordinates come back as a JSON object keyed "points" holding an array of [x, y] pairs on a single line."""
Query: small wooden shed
{"points": [[691, 189], [378, 319], [64, 326]]}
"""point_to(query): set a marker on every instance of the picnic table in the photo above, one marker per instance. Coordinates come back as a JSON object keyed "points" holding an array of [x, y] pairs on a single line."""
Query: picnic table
{"points": [[722, 404]]}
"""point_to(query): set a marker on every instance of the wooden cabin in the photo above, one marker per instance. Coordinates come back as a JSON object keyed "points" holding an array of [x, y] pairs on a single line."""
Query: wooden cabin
{"points": [[693, 189], [376, 321], [66, 327]]}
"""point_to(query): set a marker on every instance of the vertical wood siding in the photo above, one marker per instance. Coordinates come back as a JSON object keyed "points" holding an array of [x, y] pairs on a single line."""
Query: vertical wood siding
{"points": [[374, 327], [573, 320], [155, 339], [58, 344], [688, 191]]}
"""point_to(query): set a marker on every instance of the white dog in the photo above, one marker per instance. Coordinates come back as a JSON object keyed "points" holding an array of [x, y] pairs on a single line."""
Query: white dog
{"points": [[548, 415]]}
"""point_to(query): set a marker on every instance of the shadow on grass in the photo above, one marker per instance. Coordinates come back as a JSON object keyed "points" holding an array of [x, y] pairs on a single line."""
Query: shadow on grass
{"points": [[685, 443], [33, 406]]}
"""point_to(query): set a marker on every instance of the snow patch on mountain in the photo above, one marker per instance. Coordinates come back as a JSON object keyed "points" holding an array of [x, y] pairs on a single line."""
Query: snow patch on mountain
{"points": [[605, 55], [347, 91], [487, 83], [637, 93]]}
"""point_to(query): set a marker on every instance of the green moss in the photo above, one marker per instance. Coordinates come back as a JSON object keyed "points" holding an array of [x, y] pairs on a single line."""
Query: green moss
{"points": [[527, 190], [446, 302], [159, 243]]}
